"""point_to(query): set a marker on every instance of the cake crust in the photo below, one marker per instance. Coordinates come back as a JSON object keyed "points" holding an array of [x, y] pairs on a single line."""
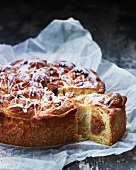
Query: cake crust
{"points": [[102, 117], [44, 130], [48, 104]]}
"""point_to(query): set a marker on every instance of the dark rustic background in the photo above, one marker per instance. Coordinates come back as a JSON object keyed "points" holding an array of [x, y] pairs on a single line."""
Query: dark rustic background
{"points": [[112, 25]]}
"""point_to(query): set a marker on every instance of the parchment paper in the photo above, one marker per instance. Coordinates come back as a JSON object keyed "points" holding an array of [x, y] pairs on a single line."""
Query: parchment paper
{"points": [[68, 40]]}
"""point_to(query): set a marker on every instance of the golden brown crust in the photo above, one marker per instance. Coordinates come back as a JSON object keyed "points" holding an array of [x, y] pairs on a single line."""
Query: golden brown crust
{"points": [[31, 113], [44, 130], [81, 81]]}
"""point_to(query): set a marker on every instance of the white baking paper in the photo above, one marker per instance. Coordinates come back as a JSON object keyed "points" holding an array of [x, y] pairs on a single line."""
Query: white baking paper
{"points": [[68, 40]]}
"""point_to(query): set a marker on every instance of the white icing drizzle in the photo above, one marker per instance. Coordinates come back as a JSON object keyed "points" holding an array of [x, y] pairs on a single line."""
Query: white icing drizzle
{"points": [[93, 77], [56, 99], [2, 68], [94, 98], [23, 69], [45, 99], [88, 84], [27, 71], [100, 99], [60, 71], [107, 100], [34, 88], [38, 73], [26, 106], [82, 78]]}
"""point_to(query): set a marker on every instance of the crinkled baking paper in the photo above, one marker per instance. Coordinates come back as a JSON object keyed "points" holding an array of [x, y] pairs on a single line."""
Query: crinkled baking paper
{"points": [[68, 40]]}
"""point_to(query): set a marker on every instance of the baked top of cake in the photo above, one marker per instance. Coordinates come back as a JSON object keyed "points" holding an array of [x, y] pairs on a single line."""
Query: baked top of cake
{"points": [[32, 84], [108, 101]]}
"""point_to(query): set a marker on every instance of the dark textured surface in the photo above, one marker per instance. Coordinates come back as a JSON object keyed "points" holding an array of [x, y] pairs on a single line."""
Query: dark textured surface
{"points": [[112, 25], [125, 161]]}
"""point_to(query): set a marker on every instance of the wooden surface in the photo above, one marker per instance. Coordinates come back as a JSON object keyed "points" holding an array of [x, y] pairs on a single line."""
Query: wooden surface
{"points": [[112, 25], [125, 161]]}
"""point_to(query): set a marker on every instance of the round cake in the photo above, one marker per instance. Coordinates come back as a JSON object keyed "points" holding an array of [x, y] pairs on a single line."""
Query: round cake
{"points": [[38, 105]]}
